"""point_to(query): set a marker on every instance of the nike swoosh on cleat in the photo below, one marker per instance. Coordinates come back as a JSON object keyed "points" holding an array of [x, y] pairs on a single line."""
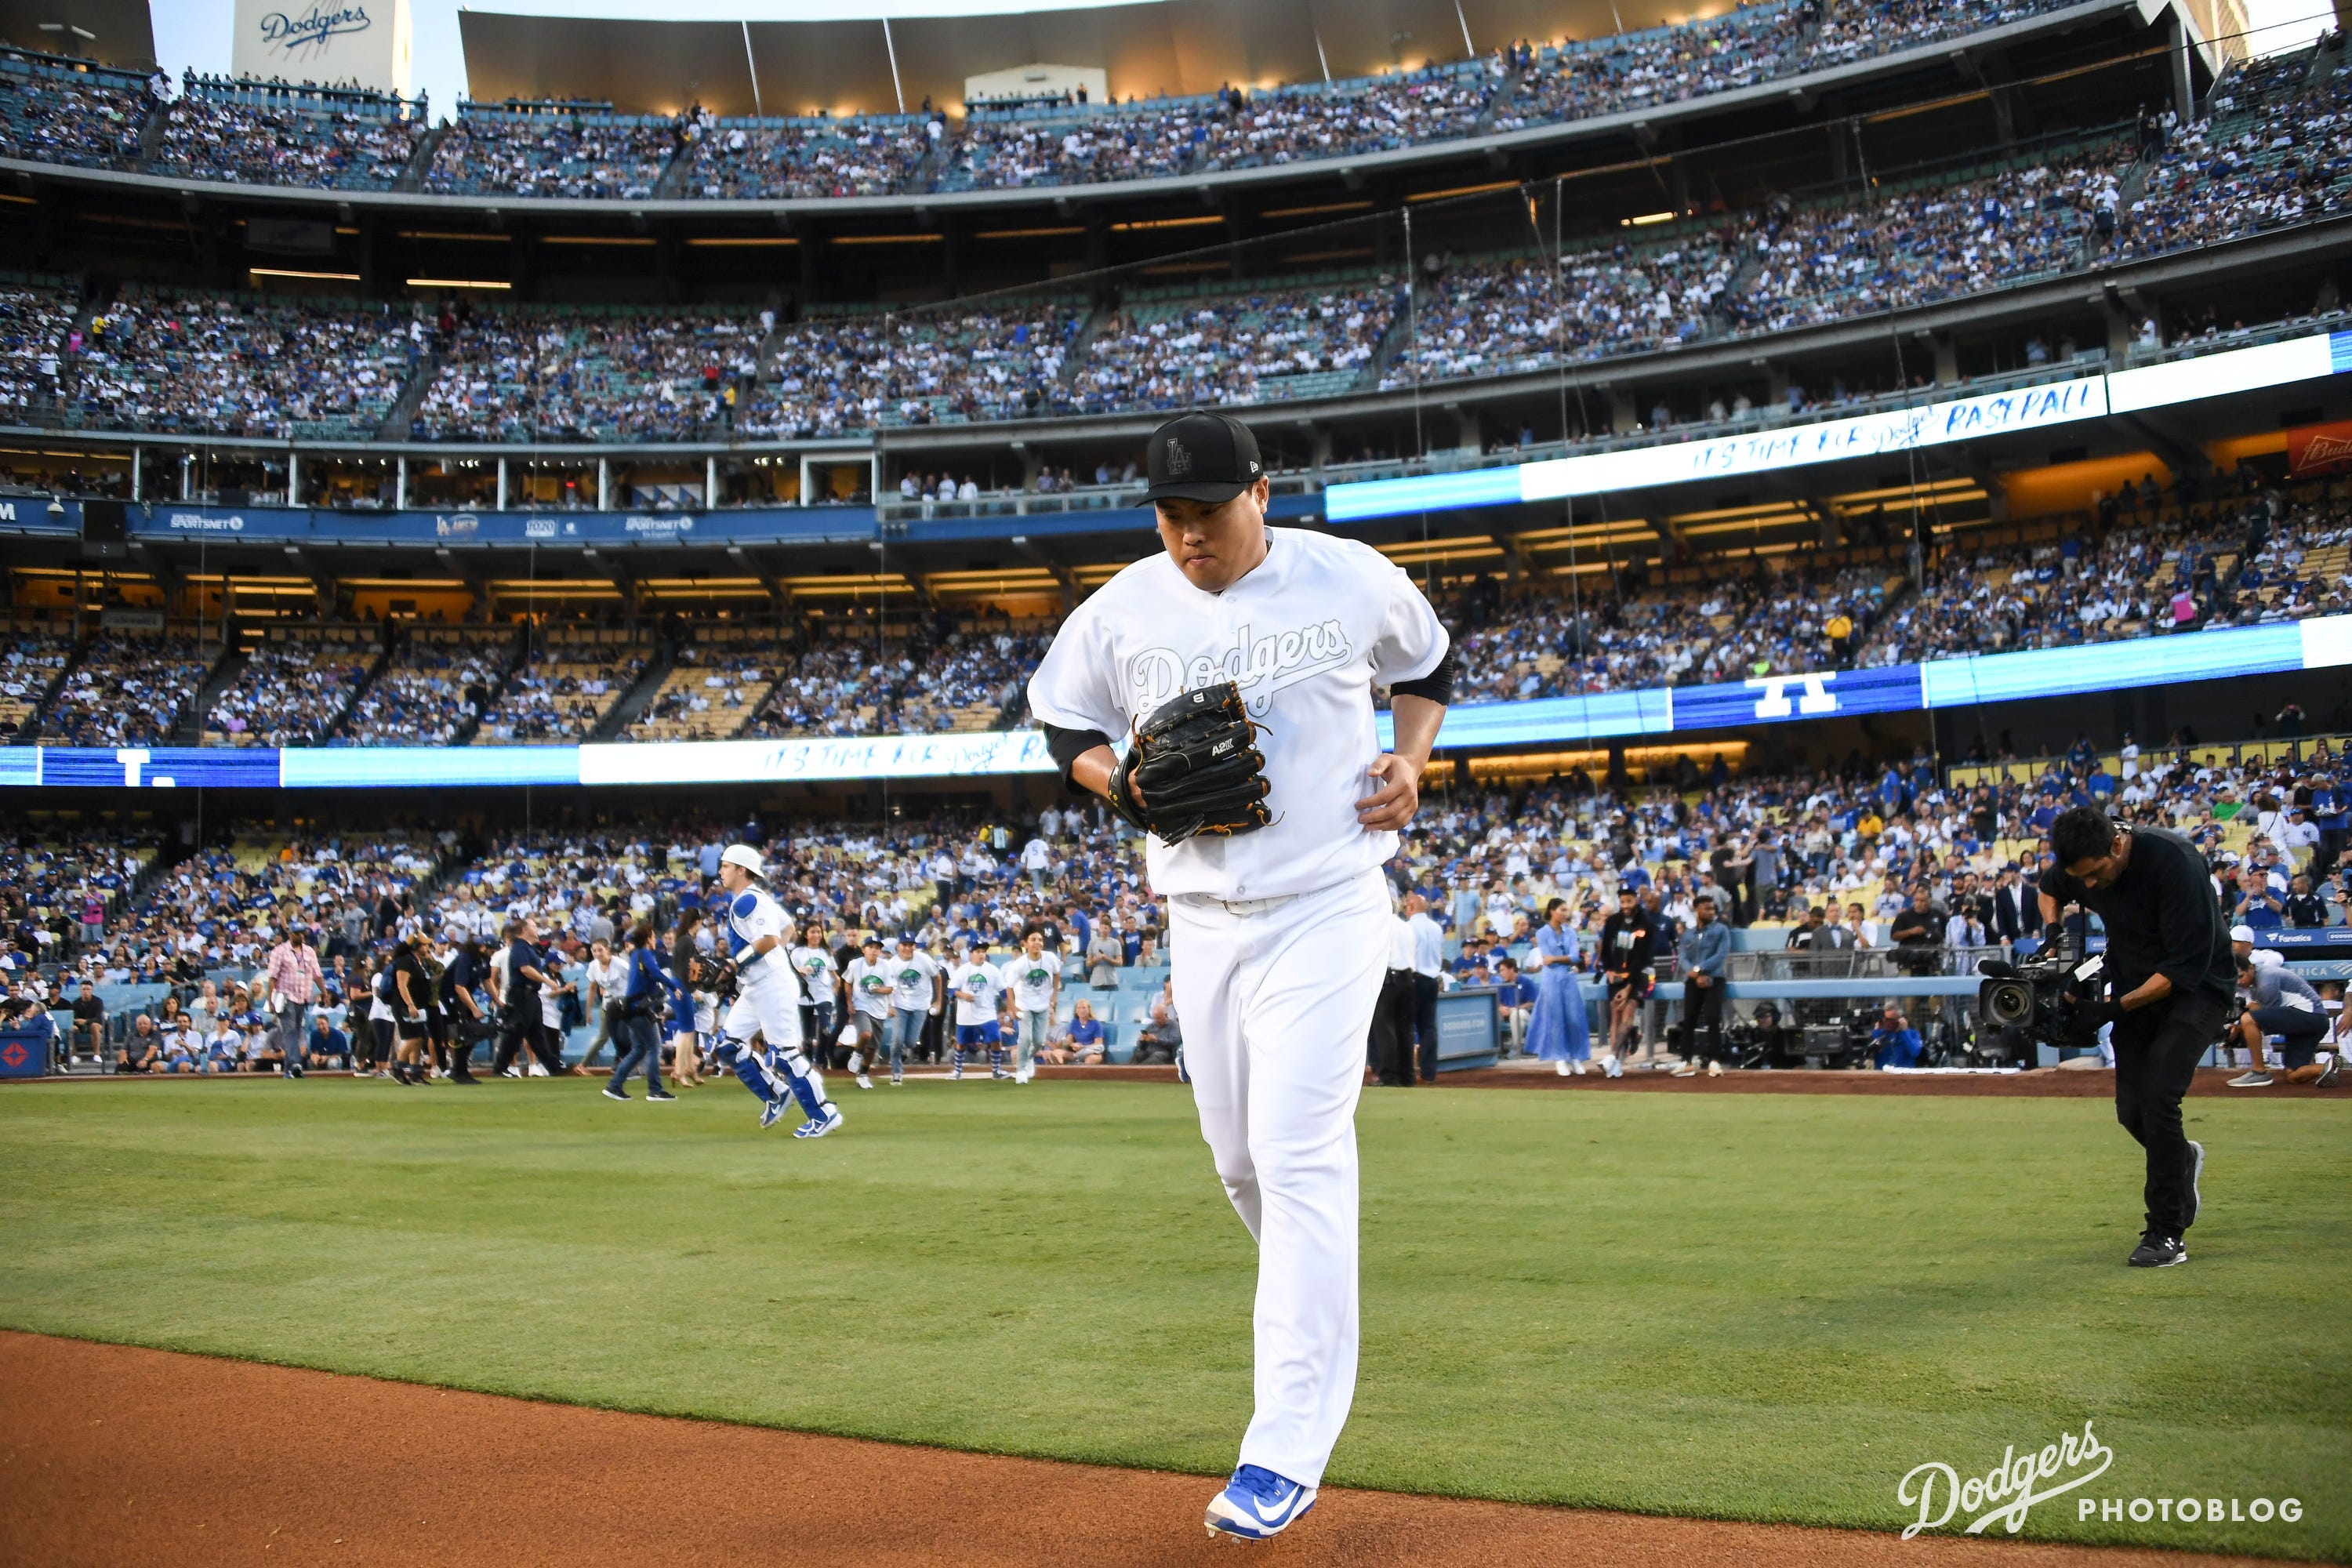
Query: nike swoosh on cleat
{"points": [[1283, 1508]]}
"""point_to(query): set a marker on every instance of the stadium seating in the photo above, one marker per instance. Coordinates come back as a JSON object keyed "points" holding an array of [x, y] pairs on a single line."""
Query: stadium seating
{"points": [[1491, 317], [57, 111], [837, 372], [552, 150], [292, 689], [30, 662], [585, 375], [129, 690], [709, 695], [562, 694], [843, 685], [433, 692], [35, 316], [273, 134], [736, 160], [2277, 149], [243, 364], [1177, 350]]}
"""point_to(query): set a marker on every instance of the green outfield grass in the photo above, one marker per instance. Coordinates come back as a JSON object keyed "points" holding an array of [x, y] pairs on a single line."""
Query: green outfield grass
{"points": [[1751, 1307]]}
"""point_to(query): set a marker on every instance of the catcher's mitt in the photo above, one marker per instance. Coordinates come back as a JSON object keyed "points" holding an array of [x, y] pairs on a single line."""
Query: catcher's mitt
{"points": [[1195, 765]]}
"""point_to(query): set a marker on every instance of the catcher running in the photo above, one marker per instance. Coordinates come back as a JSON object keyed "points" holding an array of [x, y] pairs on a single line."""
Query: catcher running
{"points": [[1241, 662]]}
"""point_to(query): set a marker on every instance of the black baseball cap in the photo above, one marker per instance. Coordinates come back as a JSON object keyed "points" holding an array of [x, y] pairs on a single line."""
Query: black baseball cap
{"points": [[1209, 457]]}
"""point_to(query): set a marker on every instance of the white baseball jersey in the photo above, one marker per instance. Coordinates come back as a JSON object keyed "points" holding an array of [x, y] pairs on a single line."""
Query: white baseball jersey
{"points": [[911, 980], [870, 985], [751, 915], [1031, 980], [984, 985], [1306, 636], [814, 966]]}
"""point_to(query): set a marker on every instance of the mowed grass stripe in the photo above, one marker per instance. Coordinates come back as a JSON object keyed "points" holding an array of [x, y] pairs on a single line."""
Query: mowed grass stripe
{"points": [[1763, 1306]]}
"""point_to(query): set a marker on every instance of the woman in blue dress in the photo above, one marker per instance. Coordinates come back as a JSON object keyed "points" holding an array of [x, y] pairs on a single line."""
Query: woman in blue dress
{"points": [[1557, 1033]]}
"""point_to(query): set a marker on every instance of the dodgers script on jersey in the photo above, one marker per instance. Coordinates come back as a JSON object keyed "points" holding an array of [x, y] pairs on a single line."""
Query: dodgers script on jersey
{"points": [[1305, 636]]}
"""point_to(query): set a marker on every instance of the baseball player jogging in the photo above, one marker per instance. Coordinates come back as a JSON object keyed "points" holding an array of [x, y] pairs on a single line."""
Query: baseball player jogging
{"points": [[1240, 662], [767, 1000]]}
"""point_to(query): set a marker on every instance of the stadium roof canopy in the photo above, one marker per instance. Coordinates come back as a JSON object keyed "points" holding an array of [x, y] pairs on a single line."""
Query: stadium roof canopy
{"points": [[880, 65], [111, 31]]}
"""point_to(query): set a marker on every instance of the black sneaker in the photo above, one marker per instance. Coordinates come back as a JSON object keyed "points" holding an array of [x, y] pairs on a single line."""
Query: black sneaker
{"points": [[611, 1093], [2157, 1250], [2196, 1173], [660, 1094]]}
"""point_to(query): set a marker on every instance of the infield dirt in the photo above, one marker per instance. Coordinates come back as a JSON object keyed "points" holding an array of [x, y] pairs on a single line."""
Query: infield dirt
{"points": [[111, 1456]]}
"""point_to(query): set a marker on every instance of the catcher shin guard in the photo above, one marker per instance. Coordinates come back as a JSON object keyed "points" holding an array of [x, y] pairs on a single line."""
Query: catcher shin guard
{"points": [[1193, 763]]}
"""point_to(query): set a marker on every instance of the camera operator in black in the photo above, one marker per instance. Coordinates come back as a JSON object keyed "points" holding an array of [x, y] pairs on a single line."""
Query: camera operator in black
{"points": [[2168, 979]]}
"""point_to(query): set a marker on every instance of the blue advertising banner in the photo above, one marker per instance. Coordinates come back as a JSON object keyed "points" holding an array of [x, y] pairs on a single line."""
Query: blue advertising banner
{"points": [[1891, 688], [2321, 644], [31, 514], [455, 529]]}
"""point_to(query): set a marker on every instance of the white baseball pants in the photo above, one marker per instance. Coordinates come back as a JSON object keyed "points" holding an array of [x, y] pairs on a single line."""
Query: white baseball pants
{"points": [[1275, 1003]]}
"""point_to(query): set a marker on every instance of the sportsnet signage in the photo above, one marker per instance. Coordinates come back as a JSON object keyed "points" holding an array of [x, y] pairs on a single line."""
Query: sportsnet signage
{"points": [[296, 525]]}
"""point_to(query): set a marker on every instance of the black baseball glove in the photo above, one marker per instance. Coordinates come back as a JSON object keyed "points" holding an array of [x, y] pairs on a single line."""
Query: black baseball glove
{"points": [[1194, 763]]}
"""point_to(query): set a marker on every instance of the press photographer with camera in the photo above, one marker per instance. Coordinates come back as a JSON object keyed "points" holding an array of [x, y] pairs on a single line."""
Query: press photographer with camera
{"points": [[2165, 985]]}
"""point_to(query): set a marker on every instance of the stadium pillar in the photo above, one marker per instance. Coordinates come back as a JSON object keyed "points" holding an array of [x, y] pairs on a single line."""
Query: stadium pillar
{"points": [[138, 472], [2184, 88], [400, 484], [1947, 361], [604, 484], [710, 480], [293, 477], [502, 484]]}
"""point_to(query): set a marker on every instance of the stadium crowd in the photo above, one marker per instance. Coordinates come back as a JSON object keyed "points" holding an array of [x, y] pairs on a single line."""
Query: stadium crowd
{"points": [[128, 690], [34, 319], [350, 142], [289, 694], [242, 364], [429, 695], [222, 130], [1886, 857], [1177, 353]]}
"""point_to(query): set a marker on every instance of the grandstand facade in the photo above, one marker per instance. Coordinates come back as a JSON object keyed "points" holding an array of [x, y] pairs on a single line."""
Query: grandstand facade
{"points": [[583, 417]]}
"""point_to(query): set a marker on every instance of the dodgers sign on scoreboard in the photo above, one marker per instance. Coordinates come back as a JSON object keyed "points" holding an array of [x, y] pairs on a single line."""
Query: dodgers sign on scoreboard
{"points": [[367, 41]]}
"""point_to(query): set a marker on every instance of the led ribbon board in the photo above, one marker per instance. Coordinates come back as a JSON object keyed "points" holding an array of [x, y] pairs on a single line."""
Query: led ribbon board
{"points": [[1864, 436]]}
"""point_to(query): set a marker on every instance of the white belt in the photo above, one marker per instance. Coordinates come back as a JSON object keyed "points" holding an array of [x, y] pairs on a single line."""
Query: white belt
{"points": [[1239, 906]]}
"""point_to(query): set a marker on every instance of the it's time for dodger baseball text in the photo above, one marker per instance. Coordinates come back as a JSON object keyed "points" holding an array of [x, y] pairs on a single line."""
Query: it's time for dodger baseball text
{"points": [[1259, 666]]}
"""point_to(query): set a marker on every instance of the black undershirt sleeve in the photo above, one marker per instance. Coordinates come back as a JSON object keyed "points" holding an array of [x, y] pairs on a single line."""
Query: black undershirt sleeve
{"points": [[1068, 745], [1437, 685]]}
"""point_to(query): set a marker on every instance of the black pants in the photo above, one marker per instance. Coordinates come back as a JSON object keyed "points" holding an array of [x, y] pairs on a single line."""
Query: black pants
{"points": [[2156, 1050], [1391, 1047], [521, 1032], [1703, 1016], [1424, 1024]]}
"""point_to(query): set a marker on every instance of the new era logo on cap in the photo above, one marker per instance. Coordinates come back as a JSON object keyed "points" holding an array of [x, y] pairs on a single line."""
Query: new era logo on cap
{"points": [[1207, 457]]}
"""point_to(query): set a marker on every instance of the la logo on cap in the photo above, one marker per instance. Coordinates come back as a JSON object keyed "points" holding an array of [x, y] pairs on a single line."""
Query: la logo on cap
{"points": [[1179, 459]]}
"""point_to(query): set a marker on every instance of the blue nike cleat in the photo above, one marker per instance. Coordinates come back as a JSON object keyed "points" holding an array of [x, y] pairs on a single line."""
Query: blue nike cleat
{"points": [[1256, 1504], [819, 1125], [1184, 1075], [772, 1112]]}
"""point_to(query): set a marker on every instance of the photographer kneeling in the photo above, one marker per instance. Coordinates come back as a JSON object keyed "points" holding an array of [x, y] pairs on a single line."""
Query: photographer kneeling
{"points": [[2168, 979], [2282, 1002]]}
